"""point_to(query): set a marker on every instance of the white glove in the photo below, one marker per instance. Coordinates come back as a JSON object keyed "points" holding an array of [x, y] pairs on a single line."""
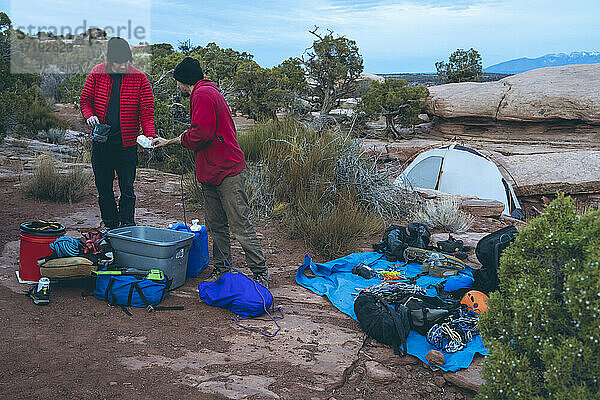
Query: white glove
{"points": [[93, 120]]}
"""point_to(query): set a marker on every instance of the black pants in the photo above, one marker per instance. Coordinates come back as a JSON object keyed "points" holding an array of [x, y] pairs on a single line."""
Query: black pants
{"points": [[106, 160]]}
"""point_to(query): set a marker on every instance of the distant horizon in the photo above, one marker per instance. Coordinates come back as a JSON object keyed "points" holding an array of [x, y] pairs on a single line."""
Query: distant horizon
{"points": [[396, 35]]}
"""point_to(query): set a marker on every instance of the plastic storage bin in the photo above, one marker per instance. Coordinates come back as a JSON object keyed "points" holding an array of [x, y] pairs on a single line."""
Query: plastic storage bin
{"points": [[199, 257], [146, 248]]}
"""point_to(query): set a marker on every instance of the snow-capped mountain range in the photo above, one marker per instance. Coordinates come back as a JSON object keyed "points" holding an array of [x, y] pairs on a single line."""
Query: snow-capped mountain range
{"points": [[549, 60]]}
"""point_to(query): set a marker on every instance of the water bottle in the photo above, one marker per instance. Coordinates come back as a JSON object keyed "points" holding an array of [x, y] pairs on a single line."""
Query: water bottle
{"points": [[43, 285], [196, 227], [198, 257]]}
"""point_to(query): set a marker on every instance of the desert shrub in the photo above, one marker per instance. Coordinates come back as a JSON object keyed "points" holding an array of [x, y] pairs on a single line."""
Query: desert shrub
{"points": [[51, 80], [255, 140], [542, 327], [47, 183], [69, 91], [320, 184], [39, 117], [444, 214], [261, 197], [53, 135], [332, 230]]}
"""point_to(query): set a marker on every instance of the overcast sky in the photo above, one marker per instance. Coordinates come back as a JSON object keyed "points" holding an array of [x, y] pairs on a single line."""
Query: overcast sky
{"points": [[393, 36]]}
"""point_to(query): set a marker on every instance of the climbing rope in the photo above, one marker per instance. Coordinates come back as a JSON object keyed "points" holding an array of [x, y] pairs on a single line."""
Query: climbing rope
{"points": [[453, 334], [65, 246], [392, 292]]}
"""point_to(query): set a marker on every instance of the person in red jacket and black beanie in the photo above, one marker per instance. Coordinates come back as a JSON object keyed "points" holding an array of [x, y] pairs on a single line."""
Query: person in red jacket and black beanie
{"points": [[220, 168], [119, 95]]}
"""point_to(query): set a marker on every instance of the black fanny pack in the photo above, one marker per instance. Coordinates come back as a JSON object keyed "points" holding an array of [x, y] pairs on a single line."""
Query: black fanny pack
{"points": [[101, 133]]}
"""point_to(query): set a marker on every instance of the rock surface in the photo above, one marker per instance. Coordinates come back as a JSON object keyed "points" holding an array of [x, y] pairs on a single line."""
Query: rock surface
{"points": [[472, 205], [378, 373], [435, 357], [570, 172], [567, 92], [468, 378], [483, 207]]}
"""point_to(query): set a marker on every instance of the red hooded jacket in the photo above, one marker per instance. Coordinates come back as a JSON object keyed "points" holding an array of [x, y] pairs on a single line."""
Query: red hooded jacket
{"points": [[212, 135], [136, 105]]}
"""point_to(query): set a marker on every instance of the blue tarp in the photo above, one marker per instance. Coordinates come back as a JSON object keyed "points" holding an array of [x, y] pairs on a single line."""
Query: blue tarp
{"points": [[335, 280]]}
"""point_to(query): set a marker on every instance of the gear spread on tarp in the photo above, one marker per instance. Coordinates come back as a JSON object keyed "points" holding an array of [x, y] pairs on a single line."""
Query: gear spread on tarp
{"points": [[335, 280]]}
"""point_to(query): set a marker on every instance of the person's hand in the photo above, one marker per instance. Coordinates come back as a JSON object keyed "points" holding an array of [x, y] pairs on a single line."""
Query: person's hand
{"points": [[159, 142], [92, 121]]}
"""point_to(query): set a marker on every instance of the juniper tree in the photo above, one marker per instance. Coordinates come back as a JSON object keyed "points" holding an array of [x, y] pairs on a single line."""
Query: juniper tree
{"points": [[542, 326]]}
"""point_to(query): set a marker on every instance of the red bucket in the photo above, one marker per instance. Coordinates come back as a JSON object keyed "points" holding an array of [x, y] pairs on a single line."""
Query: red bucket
{"points": [[35, 243]]}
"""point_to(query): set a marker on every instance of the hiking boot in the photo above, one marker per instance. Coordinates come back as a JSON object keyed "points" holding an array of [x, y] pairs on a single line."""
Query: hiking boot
{"points": [[39, 297], [215, 275], [263, 278]]}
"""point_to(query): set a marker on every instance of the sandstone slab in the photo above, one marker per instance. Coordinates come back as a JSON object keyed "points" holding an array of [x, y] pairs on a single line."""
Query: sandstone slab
{"points": [[468, 378], [570, 172], [555, 93], [483, 207]]}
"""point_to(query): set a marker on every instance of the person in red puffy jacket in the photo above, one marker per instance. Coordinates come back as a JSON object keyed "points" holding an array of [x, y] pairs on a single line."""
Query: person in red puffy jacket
{"points": [[220, 168], [116, 100]]}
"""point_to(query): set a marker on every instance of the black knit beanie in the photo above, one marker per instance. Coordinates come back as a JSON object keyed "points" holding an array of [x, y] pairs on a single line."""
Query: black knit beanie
{"points": [[188, 71], [118, 51]]}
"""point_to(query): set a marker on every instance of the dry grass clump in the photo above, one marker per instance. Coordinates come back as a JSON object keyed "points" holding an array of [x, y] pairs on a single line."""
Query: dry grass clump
{"points": [[333, 230], [47, 183], [320, 184], [444, 214]]}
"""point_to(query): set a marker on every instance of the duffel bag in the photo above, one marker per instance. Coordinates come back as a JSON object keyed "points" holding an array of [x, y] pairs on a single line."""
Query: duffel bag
{"points": [[125, 290]]}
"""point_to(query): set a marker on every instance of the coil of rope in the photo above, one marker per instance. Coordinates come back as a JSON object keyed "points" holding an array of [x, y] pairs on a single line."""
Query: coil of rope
{"points": [[65, 246], [453, 334]]}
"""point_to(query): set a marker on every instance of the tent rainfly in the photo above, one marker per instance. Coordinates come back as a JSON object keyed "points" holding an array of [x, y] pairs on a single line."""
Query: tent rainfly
{"points": [[458, 169]]}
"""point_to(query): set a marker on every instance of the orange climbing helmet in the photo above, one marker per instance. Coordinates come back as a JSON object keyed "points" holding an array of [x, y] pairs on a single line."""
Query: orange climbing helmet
{"points": [[476, 301]]}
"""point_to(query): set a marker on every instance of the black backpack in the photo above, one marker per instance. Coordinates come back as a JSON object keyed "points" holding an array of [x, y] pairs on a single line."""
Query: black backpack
{"points": [[396, 239], [382, 322], [488, 252], [425, 311]]}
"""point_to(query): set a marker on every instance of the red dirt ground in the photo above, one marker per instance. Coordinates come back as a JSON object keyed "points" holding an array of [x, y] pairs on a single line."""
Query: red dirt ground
{"points": [[74, 348]]}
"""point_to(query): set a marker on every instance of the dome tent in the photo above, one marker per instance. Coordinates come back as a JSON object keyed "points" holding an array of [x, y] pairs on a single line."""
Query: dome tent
{"points": [[457, 169]]}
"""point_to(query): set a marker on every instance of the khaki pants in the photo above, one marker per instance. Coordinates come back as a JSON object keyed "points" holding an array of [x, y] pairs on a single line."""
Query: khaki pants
{"points": [[227, 210]]}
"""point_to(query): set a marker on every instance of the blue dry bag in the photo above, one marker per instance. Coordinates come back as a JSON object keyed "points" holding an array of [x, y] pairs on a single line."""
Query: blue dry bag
{"points": [[198, 258], [238, 293]]}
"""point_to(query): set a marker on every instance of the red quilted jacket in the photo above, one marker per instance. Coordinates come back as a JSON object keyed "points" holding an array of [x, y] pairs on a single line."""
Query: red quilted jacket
{"points": [[212, 135], [137, 102]]}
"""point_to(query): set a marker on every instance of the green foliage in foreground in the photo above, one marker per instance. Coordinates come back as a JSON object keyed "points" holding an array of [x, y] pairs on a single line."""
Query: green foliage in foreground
{"points": [[542, 328]]}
